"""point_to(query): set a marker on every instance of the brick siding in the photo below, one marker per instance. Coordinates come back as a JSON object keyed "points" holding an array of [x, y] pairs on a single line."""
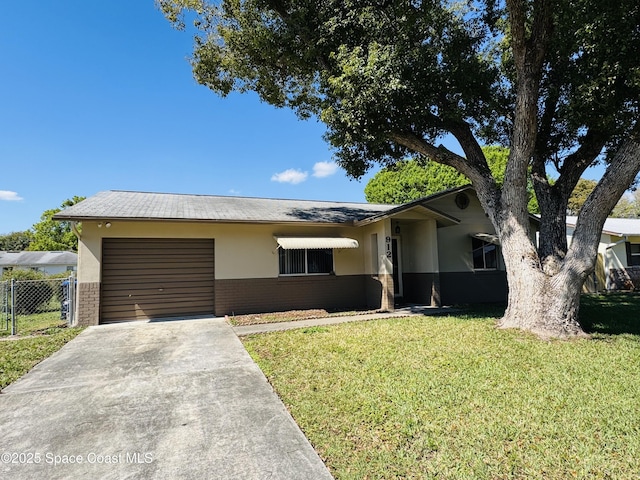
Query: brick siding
{"points": [[88, 312], [241, 296]]}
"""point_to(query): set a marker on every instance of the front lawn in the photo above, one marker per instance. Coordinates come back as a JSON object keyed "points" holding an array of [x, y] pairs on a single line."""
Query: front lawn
{"points": [[455, 398], [33, 323], [17, 357]]}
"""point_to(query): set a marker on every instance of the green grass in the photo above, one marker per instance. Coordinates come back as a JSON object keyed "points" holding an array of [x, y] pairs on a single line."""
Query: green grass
{"points": [[455, 398], [32, 324], [19, 356], [611, 314]]}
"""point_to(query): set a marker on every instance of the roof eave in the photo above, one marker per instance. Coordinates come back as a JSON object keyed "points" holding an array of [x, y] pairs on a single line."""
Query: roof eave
{"points": [[404, 208], [349, 223]]}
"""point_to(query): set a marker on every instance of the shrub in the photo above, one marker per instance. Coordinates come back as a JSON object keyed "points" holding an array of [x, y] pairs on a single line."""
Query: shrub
{"points": [[32, 290], [22, 274]]}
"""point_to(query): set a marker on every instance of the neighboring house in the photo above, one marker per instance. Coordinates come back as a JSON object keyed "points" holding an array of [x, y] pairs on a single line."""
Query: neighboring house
{"points": [[148, 255], [49, 263], [618, 263]]}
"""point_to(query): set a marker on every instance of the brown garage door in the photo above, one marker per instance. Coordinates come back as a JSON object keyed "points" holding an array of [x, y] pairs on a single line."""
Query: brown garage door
{"points": [[153, 278]]}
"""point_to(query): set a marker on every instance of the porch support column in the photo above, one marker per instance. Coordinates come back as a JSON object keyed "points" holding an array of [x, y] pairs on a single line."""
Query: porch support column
{"points": [[385, 273]]}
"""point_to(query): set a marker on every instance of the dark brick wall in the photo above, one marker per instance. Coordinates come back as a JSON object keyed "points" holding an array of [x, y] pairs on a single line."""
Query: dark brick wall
{"points": [[373, 289], [473, 287], [241, 296], [422, 288]]}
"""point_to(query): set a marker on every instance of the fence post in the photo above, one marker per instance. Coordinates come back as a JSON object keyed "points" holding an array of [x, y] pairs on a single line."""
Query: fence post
{"points": [[71, 312], [13, 307], [5, 299]]}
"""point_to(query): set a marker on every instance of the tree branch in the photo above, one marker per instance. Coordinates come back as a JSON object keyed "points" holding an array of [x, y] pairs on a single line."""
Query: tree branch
{"points": [[475, 166], [620, 173], [575, 164], [529, 55]]}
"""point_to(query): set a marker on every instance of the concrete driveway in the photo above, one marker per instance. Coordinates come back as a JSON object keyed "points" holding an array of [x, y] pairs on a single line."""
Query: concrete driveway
{"points": [[177, 399]]}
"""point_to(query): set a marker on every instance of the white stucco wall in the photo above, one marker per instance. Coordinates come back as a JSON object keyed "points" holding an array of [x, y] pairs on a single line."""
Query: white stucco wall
{"points": [[455, 252], [375, 259], [241, 250], [419, 241]]}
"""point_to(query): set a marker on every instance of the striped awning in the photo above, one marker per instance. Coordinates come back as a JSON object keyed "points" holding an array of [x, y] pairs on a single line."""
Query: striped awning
{"points": [[299, 243], [487, 237]]}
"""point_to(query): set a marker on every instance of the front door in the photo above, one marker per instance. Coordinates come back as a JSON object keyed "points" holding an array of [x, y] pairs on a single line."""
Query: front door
{"points": [[396, 257]]}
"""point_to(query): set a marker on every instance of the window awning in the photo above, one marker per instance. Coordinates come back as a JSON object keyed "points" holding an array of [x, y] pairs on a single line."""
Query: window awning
{"points": [[487, 237], [299, 243]]}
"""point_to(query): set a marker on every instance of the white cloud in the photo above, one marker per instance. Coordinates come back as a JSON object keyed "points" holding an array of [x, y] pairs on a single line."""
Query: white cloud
{"points": [[9, 196], [290, 176], [324, 169]]}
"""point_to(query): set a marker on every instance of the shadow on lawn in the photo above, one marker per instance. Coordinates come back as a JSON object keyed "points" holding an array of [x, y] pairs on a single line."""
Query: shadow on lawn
{"points": [[609, 314], [480, 311]]}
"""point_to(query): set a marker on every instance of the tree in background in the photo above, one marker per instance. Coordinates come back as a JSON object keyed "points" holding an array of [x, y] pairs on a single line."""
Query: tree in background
{"points": [[16, 241], [579, 195], [628, 206], [53, 235], [558, 82], [409, 180]]}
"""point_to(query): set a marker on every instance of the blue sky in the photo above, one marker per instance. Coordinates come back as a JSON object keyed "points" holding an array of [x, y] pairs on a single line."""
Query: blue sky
{"points": [[100, 95]]}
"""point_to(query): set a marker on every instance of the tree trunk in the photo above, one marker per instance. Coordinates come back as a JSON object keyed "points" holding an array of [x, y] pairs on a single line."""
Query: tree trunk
{"points": [[547, 306], [544, 301]]}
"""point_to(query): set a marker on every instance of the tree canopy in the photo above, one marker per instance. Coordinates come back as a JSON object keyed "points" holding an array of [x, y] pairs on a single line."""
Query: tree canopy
{"points": [[580, 193], [409, 180], [415, 178], [16, 241], [628, 206], [556, 81], [53, 235]]}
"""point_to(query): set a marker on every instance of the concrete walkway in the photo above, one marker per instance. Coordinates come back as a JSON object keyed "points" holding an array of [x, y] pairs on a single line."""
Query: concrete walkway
{"points": [[314, 322], [165, 400]]}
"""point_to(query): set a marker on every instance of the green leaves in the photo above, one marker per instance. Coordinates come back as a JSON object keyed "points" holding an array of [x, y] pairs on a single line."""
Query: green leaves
{"points": [[15, 241], [53, 235], [410, 180], [364, 68]]}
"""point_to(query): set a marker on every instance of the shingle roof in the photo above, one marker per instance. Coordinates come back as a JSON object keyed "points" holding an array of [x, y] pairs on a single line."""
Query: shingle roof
{"points": [[114, 205], [28, 259], [615, 226]]}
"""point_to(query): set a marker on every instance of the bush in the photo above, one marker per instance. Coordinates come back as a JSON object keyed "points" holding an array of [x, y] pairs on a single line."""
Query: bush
{"points": [[22, 274], [32, 290]]}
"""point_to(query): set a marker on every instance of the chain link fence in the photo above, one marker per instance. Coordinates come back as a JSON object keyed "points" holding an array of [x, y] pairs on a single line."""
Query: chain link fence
{"points": [[30, 306]]}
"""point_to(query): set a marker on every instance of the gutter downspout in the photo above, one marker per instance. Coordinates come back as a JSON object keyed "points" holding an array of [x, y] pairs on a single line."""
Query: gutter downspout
{"points": [[74, 229], [624, 240], [74, 299]]}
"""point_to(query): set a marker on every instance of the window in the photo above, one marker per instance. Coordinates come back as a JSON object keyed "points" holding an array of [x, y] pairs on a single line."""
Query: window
{"points": [[485, 255], [374, 253], [633, 254], [306, 261]]}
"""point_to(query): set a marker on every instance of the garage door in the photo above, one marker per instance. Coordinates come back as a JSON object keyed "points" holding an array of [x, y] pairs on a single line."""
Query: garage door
{"points": [[154, 278]]}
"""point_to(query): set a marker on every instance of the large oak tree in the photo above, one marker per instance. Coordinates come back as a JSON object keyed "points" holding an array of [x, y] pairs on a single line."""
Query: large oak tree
{"points": [[557, 81]]}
